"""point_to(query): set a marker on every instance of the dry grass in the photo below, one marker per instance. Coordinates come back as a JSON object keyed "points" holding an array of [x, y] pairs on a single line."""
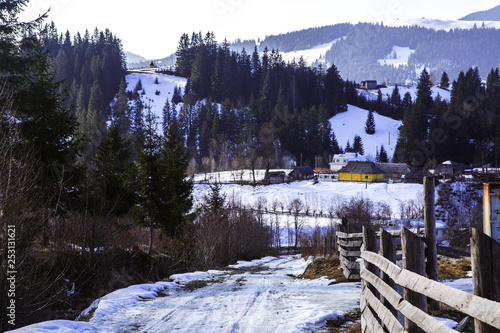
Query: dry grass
{"points": [[453, 268], [329, 267]]}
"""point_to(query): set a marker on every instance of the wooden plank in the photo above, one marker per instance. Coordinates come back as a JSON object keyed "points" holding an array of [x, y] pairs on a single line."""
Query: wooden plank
{"points": [[413, 260], [419, 318], [388, 251], [349, 264], [345, 253], [431, 267], [370, 244], [372, 325], [485, 252], [350, 243], [388, 319], [477, 307], [345, 235]]}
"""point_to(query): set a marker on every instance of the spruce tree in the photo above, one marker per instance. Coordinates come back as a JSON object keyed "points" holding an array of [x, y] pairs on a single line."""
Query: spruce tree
{"points": [[178, 188], [113, 171], [357, 146], [370, 123], [383, 158], [445, 81]]}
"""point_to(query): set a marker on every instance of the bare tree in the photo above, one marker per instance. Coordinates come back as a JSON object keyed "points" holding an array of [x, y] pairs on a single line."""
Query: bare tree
{"points": [[296, 206]]}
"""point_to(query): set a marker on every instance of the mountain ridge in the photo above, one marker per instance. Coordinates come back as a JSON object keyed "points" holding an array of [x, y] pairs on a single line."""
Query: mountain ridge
{"points": [[492, 14]]}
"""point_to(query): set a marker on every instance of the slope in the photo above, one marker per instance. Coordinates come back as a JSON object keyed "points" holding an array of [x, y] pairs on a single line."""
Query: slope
{"points": [[348, 124], [492, 14]]}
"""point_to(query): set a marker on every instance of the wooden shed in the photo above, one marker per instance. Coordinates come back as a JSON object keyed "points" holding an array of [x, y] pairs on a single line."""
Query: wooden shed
{"points": [[302, 173], [361, 172]]}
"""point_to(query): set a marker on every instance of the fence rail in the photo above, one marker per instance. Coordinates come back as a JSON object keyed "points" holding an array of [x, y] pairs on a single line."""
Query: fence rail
{"points": [[380, 301]]}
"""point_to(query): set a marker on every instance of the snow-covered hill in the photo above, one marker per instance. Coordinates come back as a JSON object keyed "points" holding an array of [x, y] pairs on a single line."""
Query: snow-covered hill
{"points": [[166, 85], [313, 55], [348, 124]]}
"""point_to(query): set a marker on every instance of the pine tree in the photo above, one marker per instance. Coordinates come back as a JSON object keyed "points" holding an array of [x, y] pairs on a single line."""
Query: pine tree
{"points": [[113, 171], [357, 146], [445, 81], [348, 148], [370, 123], [178, 188], [47, 128], [150, 186], [383, 158]]}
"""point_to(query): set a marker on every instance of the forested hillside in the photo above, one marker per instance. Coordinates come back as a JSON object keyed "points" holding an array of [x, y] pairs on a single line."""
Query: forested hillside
{"points": [[492, 14], [356, 56]]}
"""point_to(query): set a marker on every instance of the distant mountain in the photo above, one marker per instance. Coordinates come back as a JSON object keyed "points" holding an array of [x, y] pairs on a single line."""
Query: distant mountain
{"points": [[133, 58], [163, 62], [492, 14]]}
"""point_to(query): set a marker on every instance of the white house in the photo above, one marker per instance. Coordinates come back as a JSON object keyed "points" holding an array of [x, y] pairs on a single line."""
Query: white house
{"points": [[341, 160]]}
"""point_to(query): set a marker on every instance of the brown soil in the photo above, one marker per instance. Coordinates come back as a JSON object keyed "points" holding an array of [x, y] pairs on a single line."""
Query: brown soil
{"points": [[329, 267]]}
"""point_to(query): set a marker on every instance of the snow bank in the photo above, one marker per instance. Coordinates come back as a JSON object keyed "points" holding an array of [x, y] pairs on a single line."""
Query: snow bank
{"points": [[59, 326], [256, 262], [129, 296]]}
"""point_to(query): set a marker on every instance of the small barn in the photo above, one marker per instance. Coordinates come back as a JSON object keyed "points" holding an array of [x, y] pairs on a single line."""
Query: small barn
{"points": [[450, 169], [393, 171], [368, 85], [275, 177], [361, 172], [301, 173]]}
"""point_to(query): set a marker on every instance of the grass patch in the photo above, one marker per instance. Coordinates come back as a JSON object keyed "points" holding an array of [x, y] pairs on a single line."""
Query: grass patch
{"points": [[453, 268], [329, 267], [350, 323]]}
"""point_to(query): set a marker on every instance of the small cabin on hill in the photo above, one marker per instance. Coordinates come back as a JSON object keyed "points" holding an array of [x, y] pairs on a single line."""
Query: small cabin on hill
{"points": [[368, 85], [361, 172], [301, 173]]}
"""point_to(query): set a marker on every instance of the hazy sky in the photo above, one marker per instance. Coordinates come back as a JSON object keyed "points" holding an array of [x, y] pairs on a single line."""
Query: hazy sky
{"points": [[152, 28]]}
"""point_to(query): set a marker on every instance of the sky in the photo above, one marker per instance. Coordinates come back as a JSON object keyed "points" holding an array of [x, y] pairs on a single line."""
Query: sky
{"points": [[152, 28]]}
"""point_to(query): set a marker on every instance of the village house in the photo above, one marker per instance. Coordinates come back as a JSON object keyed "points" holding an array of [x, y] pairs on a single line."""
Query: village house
{"points": [[301, 173], [341, 160], [368, 85], [361, 172]]}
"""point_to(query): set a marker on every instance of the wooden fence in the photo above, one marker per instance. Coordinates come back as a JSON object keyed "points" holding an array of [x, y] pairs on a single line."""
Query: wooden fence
{"points": [[381, 303]]}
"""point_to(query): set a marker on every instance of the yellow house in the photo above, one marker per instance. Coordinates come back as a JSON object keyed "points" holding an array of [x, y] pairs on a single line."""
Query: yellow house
{"points": [[361, 172]]}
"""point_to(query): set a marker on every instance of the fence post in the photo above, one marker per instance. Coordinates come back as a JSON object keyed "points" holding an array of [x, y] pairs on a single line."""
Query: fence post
{"points": [[370, 244], [324, 247], [413, 260], [430, 234], [485, 252], [388, 250], [332, 245]]}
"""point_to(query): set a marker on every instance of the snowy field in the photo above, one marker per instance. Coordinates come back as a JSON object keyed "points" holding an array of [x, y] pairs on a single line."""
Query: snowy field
{"points": [[257, 296], [317, 197]]}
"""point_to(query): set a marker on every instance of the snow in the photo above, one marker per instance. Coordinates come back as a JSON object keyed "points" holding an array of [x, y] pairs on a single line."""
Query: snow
{"points": [[166, 85], [310, 55], [316, 196], [260, 296], [402, 56], [348, 124]]}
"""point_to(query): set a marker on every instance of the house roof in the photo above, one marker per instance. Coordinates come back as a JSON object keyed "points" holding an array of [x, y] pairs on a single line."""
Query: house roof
{"points": [[454, 164], [392, 167], [350, 157], [361, 167], [306, 170]]}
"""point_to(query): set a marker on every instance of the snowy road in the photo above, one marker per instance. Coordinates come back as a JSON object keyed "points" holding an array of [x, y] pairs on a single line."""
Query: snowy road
{"points": [[257, 296]]}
